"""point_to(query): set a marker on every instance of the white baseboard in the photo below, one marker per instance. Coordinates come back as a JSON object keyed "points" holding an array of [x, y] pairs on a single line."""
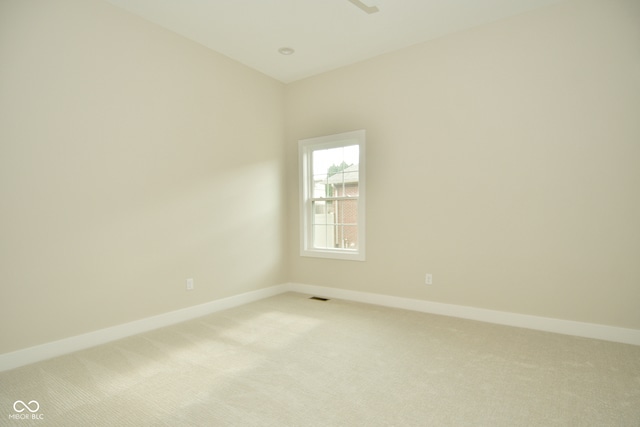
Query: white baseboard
{"points": [[68, 345], [567, 327], [79, 342]]}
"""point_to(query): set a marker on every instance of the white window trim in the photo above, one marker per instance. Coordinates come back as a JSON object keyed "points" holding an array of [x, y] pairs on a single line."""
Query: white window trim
{"points": [[305, 147]]}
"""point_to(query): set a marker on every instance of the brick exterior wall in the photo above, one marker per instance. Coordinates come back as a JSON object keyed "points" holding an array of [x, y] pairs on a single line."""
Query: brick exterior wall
{"points": [[347, 217]]}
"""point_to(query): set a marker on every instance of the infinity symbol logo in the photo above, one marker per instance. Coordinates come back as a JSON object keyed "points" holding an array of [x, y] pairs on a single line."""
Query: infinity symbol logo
{"points": [[26, 406]]}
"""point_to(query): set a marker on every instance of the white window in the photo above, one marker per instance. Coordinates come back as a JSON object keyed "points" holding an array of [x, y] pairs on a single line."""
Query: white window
{"points": [[332, 195]]}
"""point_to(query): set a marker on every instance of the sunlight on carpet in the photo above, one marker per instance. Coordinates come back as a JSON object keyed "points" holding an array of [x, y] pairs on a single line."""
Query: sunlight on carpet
{"points": [[291, 361]]}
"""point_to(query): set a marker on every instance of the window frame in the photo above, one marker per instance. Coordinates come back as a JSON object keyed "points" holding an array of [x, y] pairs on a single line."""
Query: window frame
{"points": [[306, 147]]}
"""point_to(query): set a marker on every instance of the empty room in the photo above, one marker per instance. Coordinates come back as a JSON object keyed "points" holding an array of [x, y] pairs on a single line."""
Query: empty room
{"points": [[320, 213]]}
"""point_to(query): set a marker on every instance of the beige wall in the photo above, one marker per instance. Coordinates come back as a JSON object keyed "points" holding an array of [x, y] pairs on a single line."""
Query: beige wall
{"points": [[130, 160], [513, 152]]}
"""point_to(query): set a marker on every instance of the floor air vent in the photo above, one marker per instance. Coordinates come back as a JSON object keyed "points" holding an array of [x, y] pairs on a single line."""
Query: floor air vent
{"points": [[320, 299]]}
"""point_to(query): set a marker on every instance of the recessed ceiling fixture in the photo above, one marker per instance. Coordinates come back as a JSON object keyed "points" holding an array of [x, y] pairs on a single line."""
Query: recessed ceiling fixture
{"points": [[286, 50], [368, 6]]}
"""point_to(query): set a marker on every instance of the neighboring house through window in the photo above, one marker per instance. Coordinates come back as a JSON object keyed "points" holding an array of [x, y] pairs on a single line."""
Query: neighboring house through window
{"points": [[332, 195]]}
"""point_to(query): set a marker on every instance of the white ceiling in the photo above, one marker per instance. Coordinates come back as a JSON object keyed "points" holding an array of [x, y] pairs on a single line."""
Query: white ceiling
{"points": [[326, 34]]}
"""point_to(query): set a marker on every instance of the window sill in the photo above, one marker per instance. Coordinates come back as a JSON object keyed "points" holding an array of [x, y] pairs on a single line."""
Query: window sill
{"points": [[337, 254]]}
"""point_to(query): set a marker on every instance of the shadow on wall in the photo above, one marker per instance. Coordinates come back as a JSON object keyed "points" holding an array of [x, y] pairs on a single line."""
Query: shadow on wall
{"points": [[223, 228]]}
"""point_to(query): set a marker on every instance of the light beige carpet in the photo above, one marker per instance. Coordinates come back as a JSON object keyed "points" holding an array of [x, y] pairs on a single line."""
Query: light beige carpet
{"points": [[292, 361]]}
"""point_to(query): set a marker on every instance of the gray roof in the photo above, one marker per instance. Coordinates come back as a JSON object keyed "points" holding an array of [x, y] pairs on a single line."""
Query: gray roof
{"points": [[350, 175]]}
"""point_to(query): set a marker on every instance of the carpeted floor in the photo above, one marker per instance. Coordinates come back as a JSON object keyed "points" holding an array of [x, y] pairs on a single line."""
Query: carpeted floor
{"points": [[293, 361]]}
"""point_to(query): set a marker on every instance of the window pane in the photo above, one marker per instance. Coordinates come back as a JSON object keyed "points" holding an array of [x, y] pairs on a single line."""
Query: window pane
{"points": [[335, 224], [346, 237], [323, 237], [345, 182], [320, 185], [335, 171], [323, 225], [346, 224], [321, 209], [346, 212]]}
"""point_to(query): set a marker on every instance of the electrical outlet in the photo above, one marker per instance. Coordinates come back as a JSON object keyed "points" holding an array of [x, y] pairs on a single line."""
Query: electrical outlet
{"points": [[189, 284], [428, 279]]}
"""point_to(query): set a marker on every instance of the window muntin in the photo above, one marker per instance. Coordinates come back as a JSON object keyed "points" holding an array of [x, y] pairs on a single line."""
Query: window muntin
{"points": [[332, 196]]}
